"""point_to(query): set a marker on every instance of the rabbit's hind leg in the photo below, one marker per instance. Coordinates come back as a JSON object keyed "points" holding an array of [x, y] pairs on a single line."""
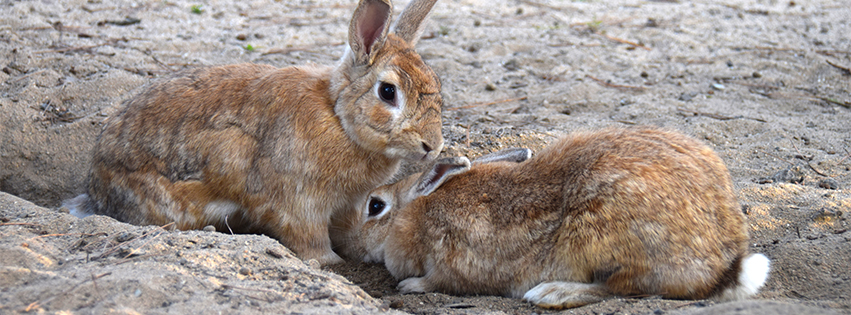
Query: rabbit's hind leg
{"points": [[561, 295]]}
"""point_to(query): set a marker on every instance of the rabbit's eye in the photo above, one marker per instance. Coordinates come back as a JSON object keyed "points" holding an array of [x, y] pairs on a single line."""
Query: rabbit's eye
{"points": [[375, 206], [387, 92]]}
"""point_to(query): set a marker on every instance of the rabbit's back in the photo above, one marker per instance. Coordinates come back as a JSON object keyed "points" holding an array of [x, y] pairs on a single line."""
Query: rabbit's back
{"points": [[220, 133], [648, 211]]}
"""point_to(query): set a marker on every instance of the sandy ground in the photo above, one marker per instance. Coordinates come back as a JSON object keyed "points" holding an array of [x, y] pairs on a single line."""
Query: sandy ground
{"points": [[765, 83]]}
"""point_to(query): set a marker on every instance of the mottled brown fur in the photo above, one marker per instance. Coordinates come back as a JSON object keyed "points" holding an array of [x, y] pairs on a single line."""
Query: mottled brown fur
{"points": [[273, 150], [624, 211]]}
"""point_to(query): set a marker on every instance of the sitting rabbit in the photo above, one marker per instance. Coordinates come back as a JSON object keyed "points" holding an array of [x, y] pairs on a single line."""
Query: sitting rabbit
{"points": [[618, 211], [274, 150]]}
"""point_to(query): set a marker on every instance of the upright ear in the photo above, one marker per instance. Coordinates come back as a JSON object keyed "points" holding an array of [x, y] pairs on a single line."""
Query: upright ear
{"points": [[368, 29], [515, 155], [442, 170], [410, 24]]}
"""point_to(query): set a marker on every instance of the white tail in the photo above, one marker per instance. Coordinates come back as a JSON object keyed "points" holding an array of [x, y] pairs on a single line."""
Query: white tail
{"points": [[77, 206], [755, 270]]}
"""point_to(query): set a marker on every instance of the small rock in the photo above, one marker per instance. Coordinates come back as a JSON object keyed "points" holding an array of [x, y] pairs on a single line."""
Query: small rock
{"points": [[718, 86], [241, 37], [209, 228], [828, 183], [793, 174], [274, 252], [127, 253], [138, 293], [245, 271], [490, 87], [756, 74], [397, 304], [685, 97], [124, 236], [511, 65]]}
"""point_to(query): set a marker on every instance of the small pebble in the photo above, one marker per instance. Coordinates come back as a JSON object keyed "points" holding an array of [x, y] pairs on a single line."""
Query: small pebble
{"points": [[274, 252], [828, 184], [718, 86], [241, 37], [209, 228], [490, 87], [245, 271], [757, 75], [124, 236], [397, 304]]}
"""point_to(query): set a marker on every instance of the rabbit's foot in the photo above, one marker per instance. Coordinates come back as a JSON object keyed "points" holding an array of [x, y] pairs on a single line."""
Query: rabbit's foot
{"points": [[324, 258], [414, 285], [330, 258], [559, 295]]}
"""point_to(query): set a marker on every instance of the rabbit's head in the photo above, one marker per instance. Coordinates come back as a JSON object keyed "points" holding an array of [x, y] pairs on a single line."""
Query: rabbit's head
{"points": [[380, 208], [387, 98]]}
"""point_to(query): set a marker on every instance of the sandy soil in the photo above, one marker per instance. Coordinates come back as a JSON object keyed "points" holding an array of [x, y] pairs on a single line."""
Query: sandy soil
{"points": [[765, 83]]}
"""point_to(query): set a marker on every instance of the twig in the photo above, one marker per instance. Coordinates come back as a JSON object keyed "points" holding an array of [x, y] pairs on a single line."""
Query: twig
{"points": [[19, 223], [845, 69], [228, 225], [820, 51], [779, 158], [28, 75], [95, 284], [488, 103], [124, 260], [543, 5], [67, 49], [801, 154], [68, 234], [140, 247], [617, 86], [620, 40], [718, 116], [847, 155]]}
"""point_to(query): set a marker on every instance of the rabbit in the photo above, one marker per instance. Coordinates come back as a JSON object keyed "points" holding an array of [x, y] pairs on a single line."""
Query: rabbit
{"points": [[612, 212], [255, 148]]}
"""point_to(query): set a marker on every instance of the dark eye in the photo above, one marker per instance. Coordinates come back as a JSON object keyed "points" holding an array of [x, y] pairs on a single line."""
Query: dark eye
{"points": [[375, 206], [387, 92]]}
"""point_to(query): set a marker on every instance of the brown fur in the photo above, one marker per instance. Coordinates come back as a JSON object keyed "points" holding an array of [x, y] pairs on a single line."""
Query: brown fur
{"points": [[623, 211], [279, 151]]}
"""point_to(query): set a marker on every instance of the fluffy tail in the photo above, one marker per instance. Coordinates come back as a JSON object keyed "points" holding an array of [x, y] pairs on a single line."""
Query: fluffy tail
{"points": [[755, 270], [79, 206]]}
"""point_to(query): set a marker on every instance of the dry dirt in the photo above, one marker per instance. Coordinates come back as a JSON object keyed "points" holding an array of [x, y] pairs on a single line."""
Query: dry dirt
{"points": [[764, 82]]}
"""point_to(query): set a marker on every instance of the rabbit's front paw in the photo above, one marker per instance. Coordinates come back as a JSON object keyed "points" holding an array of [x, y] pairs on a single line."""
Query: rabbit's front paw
{"points": [[413, 285]]}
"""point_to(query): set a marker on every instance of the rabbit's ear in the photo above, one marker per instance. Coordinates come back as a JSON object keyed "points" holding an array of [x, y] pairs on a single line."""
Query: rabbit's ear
{"points": [[515, 155], [410, 24], [441, 171], [368, 29]]}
